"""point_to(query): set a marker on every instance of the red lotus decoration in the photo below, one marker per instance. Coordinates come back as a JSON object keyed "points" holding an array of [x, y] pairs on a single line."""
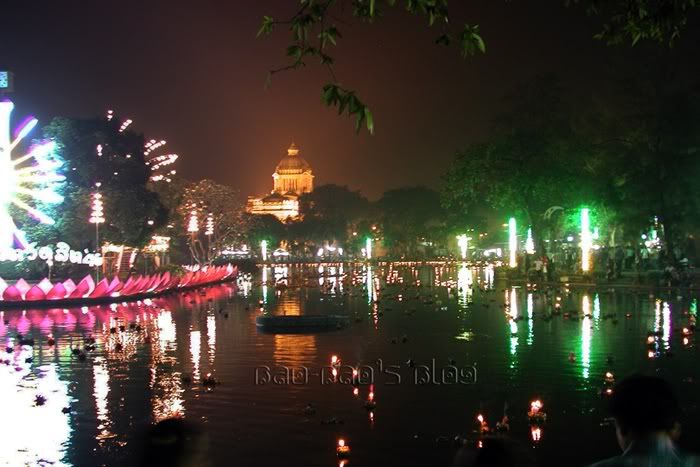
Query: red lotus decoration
{"points": [[111, 290]]}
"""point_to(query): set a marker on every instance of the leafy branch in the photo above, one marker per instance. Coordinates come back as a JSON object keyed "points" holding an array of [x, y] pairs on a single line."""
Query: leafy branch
{"points": [[314, 31], [313, 36]]}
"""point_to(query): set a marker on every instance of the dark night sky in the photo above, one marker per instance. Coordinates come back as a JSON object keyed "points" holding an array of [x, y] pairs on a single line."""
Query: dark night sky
{"points": [[193, 73]]}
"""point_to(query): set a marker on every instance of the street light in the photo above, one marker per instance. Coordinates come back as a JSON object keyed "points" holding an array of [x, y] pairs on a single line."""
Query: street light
{"points": [[586, 240], [463, 242], [529, 242], [97, 217], [263, 250], [513, 242]]}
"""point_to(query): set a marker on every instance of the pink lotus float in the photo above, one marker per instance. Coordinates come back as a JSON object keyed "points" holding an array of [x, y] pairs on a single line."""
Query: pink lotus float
{"points": [[110, 290]]}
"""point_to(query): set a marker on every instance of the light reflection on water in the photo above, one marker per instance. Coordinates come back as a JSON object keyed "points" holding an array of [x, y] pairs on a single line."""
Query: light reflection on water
{"points": [[144, 352]]}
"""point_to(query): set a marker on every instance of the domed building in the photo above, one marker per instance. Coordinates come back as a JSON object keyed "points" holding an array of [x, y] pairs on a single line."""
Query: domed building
{"points": [[292, 178]]}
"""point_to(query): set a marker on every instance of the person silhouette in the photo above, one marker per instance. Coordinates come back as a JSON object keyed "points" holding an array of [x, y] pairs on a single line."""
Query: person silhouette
{"points": [[646, 414]]}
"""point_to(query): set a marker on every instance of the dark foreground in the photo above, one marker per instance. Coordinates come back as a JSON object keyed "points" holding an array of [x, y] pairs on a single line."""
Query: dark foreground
{"points": [[414, 327]]}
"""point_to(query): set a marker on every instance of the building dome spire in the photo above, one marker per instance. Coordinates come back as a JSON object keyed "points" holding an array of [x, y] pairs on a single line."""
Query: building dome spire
{"points": [[293, 150]]}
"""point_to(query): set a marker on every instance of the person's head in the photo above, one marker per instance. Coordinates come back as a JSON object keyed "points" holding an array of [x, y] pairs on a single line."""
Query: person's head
{"points": [[173, 442], [642, 406]]}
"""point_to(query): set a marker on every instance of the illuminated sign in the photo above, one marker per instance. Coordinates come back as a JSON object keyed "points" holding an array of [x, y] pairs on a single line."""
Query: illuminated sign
{"points": [[5, 81], [62, 253]]}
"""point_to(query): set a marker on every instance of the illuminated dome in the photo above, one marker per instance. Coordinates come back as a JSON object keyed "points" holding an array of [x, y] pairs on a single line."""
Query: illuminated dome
{"points": [[292, 163]]}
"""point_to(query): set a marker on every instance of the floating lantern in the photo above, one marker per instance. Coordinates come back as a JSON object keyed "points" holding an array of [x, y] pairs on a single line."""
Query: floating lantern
{"points": [[371, 404], [536, 414], [483, 424], [343, 450]]}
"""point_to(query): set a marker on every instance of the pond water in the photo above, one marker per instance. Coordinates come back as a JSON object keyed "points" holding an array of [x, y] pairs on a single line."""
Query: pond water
{"points": [[412, 324]]}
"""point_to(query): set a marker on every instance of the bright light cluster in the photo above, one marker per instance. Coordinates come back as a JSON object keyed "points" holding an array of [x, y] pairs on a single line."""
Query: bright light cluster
{"points": [[586, 240], [125, 125], [529, 242], [463, 243], [97, 215], [513, 243], [154, 161], [193, 223], [152, 145], [20, 180], [210, 225]]}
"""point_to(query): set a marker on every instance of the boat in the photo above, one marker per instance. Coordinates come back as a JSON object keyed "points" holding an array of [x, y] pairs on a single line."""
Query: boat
{"points": [[297, 323]]}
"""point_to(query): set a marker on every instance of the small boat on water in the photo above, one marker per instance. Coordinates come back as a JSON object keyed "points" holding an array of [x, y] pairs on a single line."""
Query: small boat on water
{"points": [[300, 323]]}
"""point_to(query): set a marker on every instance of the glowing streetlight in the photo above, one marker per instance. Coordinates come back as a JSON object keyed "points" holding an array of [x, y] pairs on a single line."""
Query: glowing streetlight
{"points": [[193, 223], [210, 225], [368, 248], [529, 242], [463, 242], [586, 240], [513, 242], [97, 217], [263, 249]]}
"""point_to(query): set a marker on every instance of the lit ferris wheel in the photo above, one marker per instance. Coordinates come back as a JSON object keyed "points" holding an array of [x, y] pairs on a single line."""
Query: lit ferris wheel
{"points": [[27, 181], [158, 160]]}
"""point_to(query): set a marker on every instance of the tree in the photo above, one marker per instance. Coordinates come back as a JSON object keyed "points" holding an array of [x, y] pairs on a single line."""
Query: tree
{"points": [[265, 227], [314, 31], [214, 218], [650, 154], [333, 209], [534, 162], [410, 215], [96, 151]]}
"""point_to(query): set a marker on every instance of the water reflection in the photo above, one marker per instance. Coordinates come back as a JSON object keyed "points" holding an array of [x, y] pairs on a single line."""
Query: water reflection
{"points": [[666, 337], [530, 318], [512, 310], [586, 335], [33, 433], [464, 284], [195, 352], [147, 352], [101, 393], [265, 270]]}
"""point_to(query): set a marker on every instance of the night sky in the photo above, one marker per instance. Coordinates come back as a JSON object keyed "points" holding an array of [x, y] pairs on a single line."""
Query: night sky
{"points": [[193, 73]]}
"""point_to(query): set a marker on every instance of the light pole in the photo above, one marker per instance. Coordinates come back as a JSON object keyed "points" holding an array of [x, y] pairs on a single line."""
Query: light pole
{"points": [[586, 240], [512, 242], [97, 217], [463, 243], [209, 232], [263, 250], [192, 229]]}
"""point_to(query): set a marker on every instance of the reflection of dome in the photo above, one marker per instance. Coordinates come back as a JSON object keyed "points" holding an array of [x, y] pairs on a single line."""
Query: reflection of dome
{"points": [[292, 163]]}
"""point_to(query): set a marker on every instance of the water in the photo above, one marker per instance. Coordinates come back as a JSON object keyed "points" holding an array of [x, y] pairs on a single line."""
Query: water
{"points": [[445, 314]]}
